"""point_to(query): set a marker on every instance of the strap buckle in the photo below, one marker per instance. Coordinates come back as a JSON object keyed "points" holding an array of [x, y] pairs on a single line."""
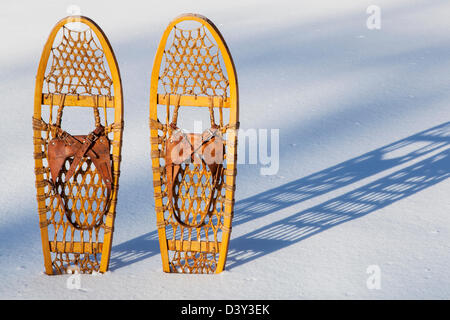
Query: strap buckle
{"points": [[91, 137]]}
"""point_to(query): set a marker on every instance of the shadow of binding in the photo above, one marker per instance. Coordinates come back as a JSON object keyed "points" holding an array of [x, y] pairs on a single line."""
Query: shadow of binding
{"points": [[432, 145]]}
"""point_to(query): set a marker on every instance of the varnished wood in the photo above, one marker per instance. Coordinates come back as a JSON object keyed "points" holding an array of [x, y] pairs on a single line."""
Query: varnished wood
{"points": [[77, 100], [193, 101], [76, 247], [196, 246]]}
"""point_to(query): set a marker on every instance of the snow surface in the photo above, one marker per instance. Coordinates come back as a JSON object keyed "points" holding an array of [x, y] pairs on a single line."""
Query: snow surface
{"points": [[364, 146]]}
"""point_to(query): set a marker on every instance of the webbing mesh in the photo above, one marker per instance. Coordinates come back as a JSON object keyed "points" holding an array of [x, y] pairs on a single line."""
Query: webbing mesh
{"points": [[192, 65], [78, 65]]}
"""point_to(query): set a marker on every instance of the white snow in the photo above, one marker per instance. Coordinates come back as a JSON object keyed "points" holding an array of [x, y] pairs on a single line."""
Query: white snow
{"points": [[364, 151]]}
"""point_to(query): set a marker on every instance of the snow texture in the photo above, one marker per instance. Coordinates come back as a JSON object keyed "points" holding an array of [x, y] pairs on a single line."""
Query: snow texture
{"points": [[363, 117]]}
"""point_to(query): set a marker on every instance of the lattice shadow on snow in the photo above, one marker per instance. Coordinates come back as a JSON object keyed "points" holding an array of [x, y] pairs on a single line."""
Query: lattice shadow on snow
{"points": [[357, 203], [134, 250], [432, 145]]}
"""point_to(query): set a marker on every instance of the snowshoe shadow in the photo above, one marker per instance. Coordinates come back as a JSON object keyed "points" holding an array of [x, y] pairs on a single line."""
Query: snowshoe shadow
{"points": [[409, 166], [423, 160], [134, 250]]}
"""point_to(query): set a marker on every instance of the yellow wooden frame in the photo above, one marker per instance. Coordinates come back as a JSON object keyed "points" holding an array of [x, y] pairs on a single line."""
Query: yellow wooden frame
{"points": [[232, 102], [116, 103]]}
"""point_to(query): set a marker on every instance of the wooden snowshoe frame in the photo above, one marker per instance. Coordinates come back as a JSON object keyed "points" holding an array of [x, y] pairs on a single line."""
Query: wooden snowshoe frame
{"points": [[73, 73], [194, 70]]}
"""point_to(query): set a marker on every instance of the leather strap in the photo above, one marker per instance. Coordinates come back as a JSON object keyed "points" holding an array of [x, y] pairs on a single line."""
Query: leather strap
{"points": [[86, 144], [83, 145], [172, 170]]}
